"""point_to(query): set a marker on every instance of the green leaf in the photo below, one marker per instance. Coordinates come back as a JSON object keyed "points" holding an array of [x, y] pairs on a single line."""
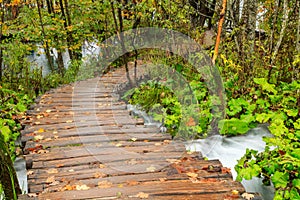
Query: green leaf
{"points": [[263, 117], [233, 126], [6, 132], [280, 179], [294, 194], [265, 85], [296, 153], [296, 183]]}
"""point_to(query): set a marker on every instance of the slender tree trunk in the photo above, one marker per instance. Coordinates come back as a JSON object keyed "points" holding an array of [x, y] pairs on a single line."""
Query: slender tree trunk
{"points": [[119, 30], [282, 32], [47, 49], [77, 54], [253, 7], [69, 34], [60, 63], [135, 25], [1, 53], [298, 29], [274, 26], [50, 6]]}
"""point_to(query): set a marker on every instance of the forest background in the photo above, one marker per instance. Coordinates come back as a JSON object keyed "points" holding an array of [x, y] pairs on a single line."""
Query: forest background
{"points": [[258, 59]]}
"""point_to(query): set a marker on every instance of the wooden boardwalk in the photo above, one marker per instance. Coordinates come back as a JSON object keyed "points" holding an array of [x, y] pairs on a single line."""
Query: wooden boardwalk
{"points": [[82, 143]]}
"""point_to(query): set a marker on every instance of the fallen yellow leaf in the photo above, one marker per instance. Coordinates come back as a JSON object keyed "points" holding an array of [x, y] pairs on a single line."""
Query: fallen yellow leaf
{"points": [[99, 175], [192, 175], [68, 187], [38, 137], [41, 130], [39, 116], [142, 195], [104, 184], [29, 172], [151, 169], [82, 187], [48, 111], [118, 145], [50, 179], [42, 151], [234, 192], [247, 196], [101, 166]]}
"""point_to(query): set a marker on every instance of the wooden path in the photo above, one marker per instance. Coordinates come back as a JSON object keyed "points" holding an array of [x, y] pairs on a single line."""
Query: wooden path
{"points": [[82, 143]]}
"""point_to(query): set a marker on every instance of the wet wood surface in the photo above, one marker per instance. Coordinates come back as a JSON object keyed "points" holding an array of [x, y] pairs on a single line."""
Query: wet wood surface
{"points": [[81, 142]]}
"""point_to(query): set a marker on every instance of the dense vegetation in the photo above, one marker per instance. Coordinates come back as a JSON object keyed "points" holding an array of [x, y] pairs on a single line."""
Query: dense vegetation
{"points": [[258, 60]]}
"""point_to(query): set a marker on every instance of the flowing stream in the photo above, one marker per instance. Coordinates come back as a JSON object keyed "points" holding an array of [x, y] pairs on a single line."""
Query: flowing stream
{"points": [[226, 149]]}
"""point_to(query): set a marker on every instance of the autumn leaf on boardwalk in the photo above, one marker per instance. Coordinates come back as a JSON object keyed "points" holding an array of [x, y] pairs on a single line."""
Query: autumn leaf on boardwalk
{"points": [[226, 170], [104, 184], [247, 196], [151, 169], [99, 175], [30, 172], [41, 130], [50, 179], [142, 195], [38, 137], [132, 182], [192, 175], [234, 192], [82, 187]]}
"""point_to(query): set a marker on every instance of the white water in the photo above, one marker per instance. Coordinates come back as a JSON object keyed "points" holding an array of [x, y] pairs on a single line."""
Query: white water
{"points": [[226, 149], [230, 149]]}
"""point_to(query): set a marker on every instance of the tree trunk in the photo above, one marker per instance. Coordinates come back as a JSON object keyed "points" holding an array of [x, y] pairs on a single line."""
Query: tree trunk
{"points": [[1, 51], [50, 6], [203, 11], [285, 19], [248, 22], [298, 30], [69, 34], [8, 177], [60, 63], [47, 49], [273, 25], [76, 54]]}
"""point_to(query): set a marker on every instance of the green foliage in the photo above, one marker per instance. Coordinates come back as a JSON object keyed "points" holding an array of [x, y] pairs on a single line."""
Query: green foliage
{"points": [[279, 163], [158, 101], [12, 106]]}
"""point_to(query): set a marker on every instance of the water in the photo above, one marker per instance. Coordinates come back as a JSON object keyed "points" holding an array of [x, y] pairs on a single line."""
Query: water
{"points": [[38, 58], [230, 149], [20, 167], [226, 149]]}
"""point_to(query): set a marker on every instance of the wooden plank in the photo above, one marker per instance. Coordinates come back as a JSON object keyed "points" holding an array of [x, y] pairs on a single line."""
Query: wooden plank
{"points": [[185, 187]]}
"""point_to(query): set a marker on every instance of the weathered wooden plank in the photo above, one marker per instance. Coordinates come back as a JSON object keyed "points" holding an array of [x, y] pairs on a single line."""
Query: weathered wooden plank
{"points": [[185, 187], [96, 130]]}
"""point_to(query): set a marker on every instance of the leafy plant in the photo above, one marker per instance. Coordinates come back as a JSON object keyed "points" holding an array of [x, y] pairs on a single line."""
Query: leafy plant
{"points": [[279, 163]]}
